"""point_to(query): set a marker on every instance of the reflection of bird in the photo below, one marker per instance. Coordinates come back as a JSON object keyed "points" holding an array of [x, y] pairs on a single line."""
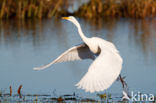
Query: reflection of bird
{"points": [[105, 68]]}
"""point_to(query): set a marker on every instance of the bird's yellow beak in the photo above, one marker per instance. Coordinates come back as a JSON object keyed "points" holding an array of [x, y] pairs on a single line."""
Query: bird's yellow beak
{"points": [[66, 18]]}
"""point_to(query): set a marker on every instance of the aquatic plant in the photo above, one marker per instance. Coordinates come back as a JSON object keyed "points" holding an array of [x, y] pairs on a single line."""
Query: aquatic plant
{"points": [[31, 8], [92, 9], [19, 91], [102, 96], [118, 8], [0, 93]]}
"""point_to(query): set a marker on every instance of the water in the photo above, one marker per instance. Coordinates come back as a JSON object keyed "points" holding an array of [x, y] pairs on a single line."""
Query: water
{"points": [[31, 43]]}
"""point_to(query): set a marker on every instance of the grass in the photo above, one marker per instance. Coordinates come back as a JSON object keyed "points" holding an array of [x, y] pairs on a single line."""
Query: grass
{"points": [[31, 8], [93, 9], [118, 8], [6, 97], [42, 98], [39, 98]]}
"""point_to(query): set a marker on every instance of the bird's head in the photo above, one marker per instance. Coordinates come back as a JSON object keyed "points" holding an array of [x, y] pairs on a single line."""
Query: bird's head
{"points": [[72, 19]]}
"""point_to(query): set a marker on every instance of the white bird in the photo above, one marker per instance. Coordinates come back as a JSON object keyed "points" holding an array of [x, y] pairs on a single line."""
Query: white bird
{"points": [[105, 68]]}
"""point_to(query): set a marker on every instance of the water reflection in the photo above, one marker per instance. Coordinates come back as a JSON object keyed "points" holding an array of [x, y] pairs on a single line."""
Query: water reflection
{"points": [[14, 31], [142, 32], [17, 31], [29, 43]]}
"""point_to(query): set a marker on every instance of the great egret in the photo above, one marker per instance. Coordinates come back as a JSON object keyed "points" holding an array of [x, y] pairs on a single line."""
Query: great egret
{"points": [[105, 68]]}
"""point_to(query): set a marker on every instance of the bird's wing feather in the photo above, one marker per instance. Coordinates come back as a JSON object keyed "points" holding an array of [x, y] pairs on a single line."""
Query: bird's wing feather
{"points": [[102, 72], [78, 52]]}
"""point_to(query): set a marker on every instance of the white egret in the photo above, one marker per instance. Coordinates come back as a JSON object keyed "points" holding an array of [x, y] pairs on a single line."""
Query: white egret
{"points": [[105, 68]]}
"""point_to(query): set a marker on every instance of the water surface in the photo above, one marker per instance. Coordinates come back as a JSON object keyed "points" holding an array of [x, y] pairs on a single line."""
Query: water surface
{"points": [[31, 43]]}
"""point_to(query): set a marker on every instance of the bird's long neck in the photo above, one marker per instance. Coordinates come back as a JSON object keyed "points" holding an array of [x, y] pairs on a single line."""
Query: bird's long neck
{"points": [[84, 38]]}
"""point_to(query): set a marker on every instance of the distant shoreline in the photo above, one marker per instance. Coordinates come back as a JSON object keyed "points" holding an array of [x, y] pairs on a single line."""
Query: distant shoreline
{"points": [[24, 9]]}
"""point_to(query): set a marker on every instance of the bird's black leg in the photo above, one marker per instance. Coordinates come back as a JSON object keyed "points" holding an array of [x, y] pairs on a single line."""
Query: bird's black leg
{"points": [[124, 84], [125, 88]]}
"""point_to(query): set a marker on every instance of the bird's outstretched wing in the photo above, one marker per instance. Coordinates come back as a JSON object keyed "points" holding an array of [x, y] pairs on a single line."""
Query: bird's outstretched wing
{"points": [[102, 72], [78, 52]]}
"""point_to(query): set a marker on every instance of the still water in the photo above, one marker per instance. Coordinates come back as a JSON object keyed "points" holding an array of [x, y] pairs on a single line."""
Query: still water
{"points": [[31, 43]]}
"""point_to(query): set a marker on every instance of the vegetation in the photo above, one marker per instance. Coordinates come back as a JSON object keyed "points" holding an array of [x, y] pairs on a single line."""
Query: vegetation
{"points": [[92, 9], [118, 8], [42, 98], [31, 8]]}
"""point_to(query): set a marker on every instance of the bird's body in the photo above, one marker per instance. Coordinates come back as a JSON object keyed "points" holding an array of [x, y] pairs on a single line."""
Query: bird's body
{"points": [[105, 68]]}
